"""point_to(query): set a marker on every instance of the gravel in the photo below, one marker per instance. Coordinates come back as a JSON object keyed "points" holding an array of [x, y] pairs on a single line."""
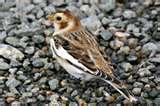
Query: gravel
{"points": [[128, 31]]}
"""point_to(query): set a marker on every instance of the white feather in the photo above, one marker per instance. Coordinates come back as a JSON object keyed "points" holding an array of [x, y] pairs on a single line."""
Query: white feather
{"points": [[61, 52]]}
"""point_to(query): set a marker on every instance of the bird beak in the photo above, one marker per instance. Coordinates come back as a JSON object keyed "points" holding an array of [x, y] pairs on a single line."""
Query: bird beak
{"points": [[50, 17]]}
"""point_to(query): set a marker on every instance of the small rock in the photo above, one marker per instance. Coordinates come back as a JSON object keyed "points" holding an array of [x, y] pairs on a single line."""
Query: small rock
{"points": [[12, 41], [136, 91], [129, 14], [41, 98], [4, 65], [149, 47], [105, 21], [74, 93], [16, 103], [29, 50], [144, 72], [106, 35], [38, 63], [10, 99], [10, 52], [132, 42], [155, 60], [116, 44], [132, 58], [127, 67], [3, 35], [12, 82], [56, 2], [108, 5], [121, 35], [124, 50], [39, 14], [92, 23], [144, 80], [153, 93], [157, 101], [38, 39], [138, 85], [54, 84]]}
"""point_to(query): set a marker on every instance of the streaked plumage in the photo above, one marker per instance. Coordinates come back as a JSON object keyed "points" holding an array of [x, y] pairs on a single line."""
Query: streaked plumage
{"points": [[78, 52]]}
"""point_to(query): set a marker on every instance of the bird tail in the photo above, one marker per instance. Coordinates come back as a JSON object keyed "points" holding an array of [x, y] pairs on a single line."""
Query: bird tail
{"points": [[124, 90]]}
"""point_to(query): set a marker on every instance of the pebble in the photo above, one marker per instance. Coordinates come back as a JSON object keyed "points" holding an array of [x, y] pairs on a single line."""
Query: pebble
{"points": [[12, 41], [144, 72], [129, 14], [153, 93], [92, 23], [116, 44], [3, 35], [108, 5], [138, 85], [136, 91], [38, 63], [149, 47], [12, 82], [38, 39], [10, 52], [4, 65], [144, 80], [106, 35], [105, 21], [54, 84], [16, 103], [127, 67], [29, 50]]}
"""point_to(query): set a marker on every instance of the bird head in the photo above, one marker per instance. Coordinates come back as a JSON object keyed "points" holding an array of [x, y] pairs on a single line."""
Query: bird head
{"points": [[64, 21]]}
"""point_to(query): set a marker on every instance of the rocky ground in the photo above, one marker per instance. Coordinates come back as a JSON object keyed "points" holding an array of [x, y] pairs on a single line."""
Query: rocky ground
{"points": [[128, 31]]}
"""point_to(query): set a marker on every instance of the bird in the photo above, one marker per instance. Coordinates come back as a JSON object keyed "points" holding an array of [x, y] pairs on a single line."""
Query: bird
{"points": [[76, 49]]}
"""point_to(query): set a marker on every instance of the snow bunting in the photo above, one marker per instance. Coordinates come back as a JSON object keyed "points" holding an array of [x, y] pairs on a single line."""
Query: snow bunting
{"points": [[78, 52]]}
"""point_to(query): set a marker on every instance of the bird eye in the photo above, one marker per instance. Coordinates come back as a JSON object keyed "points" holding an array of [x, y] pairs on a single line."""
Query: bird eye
{"points": [[58, 18]]}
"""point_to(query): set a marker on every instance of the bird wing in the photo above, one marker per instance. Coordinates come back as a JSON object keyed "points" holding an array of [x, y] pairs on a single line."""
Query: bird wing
{"points": [[82, 48]]}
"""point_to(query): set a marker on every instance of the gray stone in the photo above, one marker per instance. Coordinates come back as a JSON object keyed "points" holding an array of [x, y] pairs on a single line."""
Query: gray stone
{"points": [[56, 2], [116, 44], [12, 82], [108, 5], [4, 65], [144, 72], [127, 67], [38, 62], [38, 1], [49, 9], [39, 14], [74, 93], [91, 22], [38, 39], [144, 80], [77, 12], [12, 41], [138, 85], [41, 97], [149, 47], [153, 93], [16, 103], [129, 14], [3, 35], [137, 91], [157, 102], [29, 50], [54, 84], [106, 35], [155, 59], [27, 94], [105, 21], [132, 58]]}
